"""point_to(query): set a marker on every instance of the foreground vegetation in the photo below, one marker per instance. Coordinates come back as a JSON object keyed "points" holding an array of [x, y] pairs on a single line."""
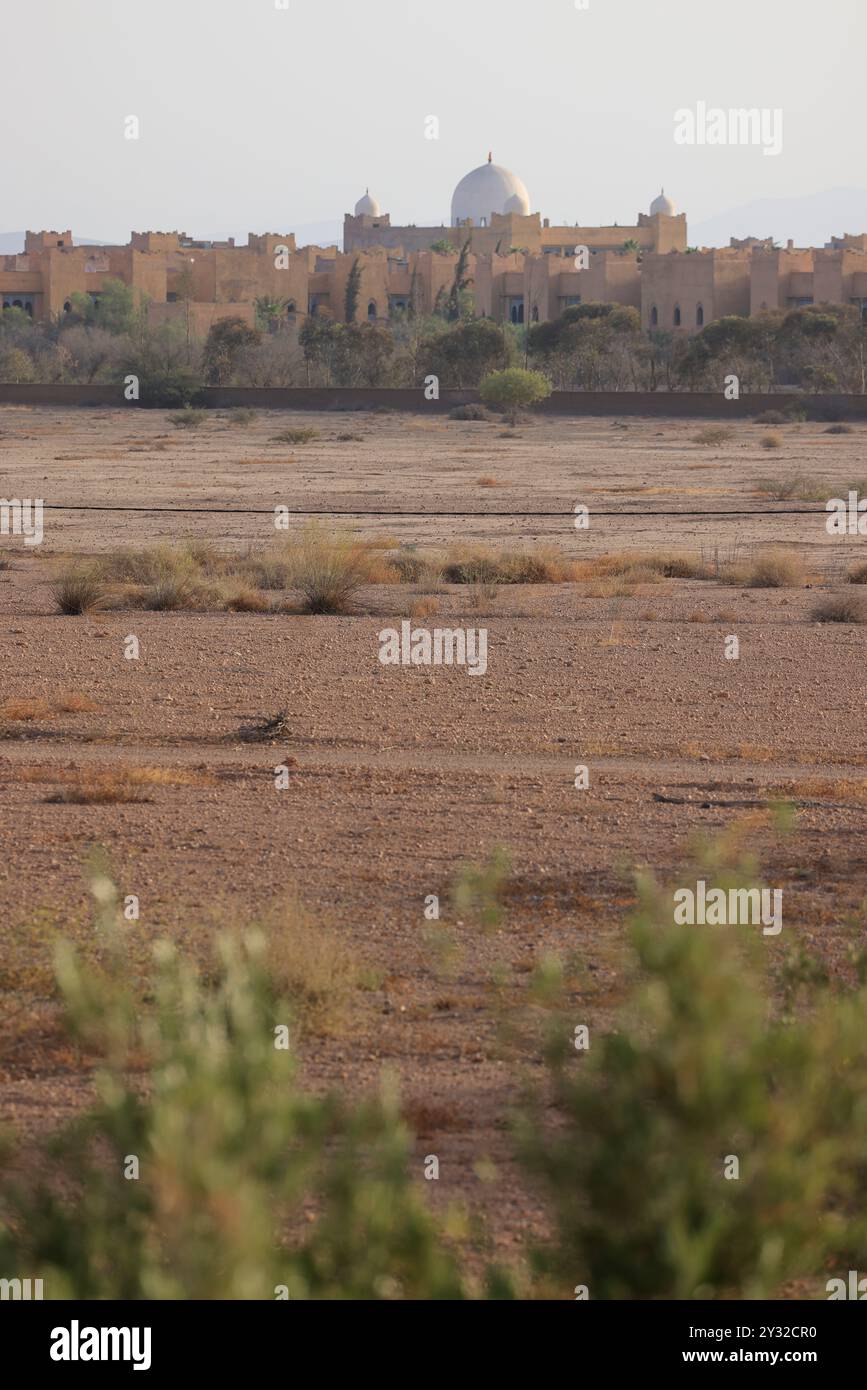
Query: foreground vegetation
{"points": [[714, 1146]]}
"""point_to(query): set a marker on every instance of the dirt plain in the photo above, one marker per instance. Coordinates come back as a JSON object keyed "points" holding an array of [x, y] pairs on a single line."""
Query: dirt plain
{"points": [[399, 775]]}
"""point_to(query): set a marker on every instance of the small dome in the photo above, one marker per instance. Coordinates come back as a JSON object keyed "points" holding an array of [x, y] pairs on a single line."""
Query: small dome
{"points": [[367, 206], [485, 190], [517, 204], [664, 205]]}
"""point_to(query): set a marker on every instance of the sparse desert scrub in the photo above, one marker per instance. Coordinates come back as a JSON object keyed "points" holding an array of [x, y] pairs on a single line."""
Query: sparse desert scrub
{"points": [[795, 488], [25, 710], [424, 608], [470, 412], [176, 592], [773, 569], [309, 965], [98, 785], [858, 573], [839, 429], [527, 565], [328, 569], [78, 591], [713, 434], [301, 435], [487, 480], [415, 567], [243, 598], [772, 417], [771, 441], [644, 566], [242, 415], [187, 419], [840, 608]]}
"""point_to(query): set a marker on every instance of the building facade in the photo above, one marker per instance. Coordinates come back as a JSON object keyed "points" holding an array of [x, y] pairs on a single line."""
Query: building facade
{"points": [[522, 269]]}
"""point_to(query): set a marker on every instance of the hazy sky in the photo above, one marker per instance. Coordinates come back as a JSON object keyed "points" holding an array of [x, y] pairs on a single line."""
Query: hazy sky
{"points": [[263, 119]]}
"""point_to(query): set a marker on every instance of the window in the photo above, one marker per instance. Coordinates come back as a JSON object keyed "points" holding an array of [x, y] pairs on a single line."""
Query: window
{"points": [[371, 309], [677, 316], [67, 307], [535, 313], [654, 317], [290, 307], [699, 316]]}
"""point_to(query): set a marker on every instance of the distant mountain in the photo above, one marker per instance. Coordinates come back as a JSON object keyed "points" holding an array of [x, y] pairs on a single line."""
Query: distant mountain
{"points": [[809, 221], [11, 243]]}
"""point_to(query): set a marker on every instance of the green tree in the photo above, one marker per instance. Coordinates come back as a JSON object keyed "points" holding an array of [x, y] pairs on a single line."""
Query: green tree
{"points": [[353, 290], [514, 389], [460, 356], [226, 339], [113, 308]]}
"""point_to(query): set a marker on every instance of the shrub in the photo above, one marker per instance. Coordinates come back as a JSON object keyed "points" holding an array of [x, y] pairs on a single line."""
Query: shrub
{"points": [[514, 389], [242, 415], [775, 569], [772, 417], [187, 419], [771, 441], [480, 565], [858, 573], [78, 591], [840, 429], [299, 436], [634, 1152], [231, 1152], [329, 570], [840, 608], [713, 434], [797, 487], [470, 412]]}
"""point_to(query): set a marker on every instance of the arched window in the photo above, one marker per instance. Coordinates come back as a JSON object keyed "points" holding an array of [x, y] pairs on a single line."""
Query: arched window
{"points": [[290, 307], [16, 304], [535, 313], [677, 316], [699, 316], [371, 310], [29, 308], [67, 307], [654, 316]]}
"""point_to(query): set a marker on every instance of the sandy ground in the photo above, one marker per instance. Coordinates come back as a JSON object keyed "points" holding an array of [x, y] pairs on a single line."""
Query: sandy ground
{"points": [[398, 775]]}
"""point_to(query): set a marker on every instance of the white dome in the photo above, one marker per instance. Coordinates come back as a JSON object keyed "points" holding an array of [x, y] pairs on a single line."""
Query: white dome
{"points": [[663, 204], [367, 206], [490, 188]]}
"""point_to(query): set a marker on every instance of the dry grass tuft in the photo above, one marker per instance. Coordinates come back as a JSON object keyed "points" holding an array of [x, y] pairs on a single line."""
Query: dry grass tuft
{"points": [[796, 488], [295, 436], [488, 481], [858, 573], [483, 565], [840, 608], [713, 434], [22, 711], [774, 569], [329, 570], [771, 441], [77, 592], [424, 608]]}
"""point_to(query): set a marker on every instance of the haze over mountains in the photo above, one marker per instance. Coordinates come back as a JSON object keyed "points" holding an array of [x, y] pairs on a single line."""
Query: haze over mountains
{"points": [[808, 221]]}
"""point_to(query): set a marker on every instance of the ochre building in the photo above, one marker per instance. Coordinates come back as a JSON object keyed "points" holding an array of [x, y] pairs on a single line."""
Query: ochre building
{"points": [[522, 269]]}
